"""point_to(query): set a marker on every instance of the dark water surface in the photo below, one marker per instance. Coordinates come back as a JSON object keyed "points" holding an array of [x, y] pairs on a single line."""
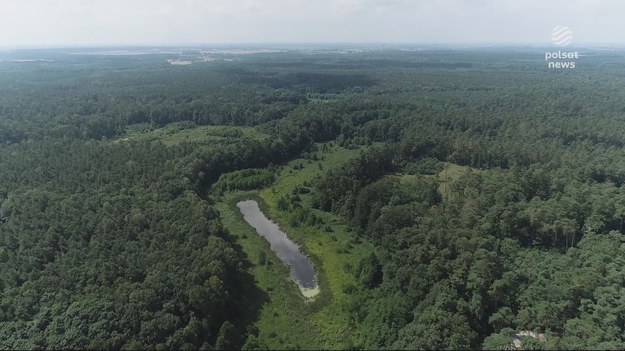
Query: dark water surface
{"points": [[302, 270]]}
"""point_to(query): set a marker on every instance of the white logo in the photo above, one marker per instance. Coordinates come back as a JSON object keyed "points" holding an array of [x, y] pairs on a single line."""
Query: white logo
{"points": [[562, 36]]}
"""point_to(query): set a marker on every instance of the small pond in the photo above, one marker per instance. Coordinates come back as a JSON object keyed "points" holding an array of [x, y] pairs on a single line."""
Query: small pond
{"points": [[302, 270]]}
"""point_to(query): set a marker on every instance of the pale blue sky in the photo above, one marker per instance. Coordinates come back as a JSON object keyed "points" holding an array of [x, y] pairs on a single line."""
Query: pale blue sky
{"points": [[153, 22]]}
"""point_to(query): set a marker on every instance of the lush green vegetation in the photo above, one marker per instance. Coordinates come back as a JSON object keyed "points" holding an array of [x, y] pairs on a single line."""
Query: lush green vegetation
{"points": [[448, 199], [245, 179]]}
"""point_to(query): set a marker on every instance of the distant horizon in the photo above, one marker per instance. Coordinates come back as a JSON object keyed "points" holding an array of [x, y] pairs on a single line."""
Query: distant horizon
{"points": [[97, 23], [297, 45]]}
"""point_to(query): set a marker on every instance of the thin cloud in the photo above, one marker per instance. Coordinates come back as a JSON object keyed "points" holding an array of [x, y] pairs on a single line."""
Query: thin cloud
{"points": [[96, 22]]}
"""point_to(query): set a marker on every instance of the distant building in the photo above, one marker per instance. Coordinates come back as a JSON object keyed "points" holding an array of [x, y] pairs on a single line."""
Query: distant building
{"points": [[178, 62]]}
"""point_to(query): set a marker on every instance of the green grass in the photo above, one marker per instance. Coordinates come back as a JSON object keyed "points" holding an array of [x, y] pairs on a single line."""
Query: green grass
{"points": [[450, 173], [283, 318], [289, 177], [288, 318]]}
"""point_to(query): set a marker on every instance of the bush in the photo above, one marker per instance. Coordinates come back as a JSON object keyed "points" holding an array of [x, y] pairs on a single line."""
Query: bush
{"points": [[246, 179]]}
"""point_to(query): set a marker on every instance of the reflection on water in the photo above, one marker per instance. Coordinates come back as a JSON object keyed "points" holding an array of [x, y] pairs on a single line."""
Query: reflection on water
{"points": [[302, 269]]}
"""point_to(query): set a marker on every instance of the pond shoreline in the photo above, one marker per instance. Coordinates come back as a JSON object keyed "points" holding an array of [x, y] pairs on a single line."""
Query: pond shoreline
{"points": [[301, 267]]}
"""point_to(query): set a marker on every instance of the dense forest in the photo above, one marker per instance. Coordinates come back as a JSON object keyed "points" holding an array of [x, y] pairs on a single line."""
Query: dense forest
{"points": [[485, 192]]}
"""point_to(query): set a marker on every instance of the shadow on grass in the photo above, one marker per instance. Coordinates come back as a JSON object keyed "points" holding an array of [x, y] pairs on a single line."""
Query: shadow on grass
{"points": [[325, 295], [249, 299]]}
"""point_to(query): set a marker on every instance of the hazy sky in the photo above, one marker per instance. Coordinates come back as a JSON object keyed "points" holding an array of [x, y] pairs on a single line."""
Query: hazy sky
{"points": [[97, 22]]}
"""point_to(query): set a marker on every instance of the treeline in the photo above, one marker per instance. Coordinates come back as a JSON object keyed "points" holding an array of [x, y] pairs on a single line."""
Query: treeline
{"points": [[245, 179], [457, 270], [93, 235], [516, 245], [339, 189], [108, 246], [72, 101]]}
